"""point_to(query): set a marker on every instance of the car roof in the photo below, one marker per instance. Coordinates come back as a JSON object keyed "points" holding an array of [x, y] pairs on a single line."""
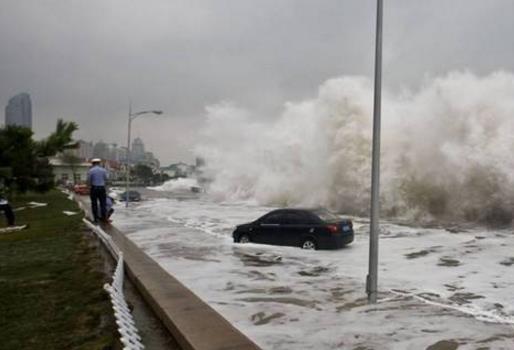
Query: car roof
{"points": [[292, 210]]}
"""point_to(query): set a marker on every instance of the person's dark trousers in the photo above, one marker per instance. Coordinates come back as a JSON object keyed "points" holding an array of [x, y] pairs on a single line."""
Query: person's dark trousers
{"points": [[9, 214], [98, 195]]}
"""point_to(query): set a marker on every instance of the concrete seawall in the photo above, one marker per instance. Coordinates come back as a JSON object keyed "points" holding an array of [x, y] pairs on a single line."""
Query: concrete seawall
{"points": [[193, 323]]}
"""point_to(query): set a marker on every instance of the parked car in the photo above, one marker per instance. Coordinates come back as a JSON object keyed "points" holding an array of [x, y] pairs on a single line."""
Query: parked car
{"points": [[81, 189], [305, 228], [133, 196]]}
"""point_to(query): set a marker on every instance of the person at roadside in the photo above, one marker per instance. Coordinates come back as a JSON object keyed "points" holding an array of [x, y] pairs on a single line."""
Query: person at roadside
{"points": [[109, 210], [96, 179], [8, 212]]}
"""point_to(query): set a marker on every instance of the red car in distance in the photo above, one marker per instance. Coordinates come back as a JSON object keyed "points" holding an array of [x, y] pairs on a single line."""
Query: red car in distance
{"points": [[81, 189]]}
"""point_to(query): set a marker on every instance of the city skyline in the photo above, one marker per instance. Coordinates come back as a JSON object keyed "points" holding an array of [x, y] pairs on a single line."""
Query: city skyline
{"points": [[111, 151], [18, 111], [83, 61]]}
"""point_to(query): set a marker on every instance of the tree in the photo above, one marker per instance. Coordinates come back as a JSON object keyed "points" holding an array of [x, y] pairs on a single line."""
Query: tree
{"points": [[17, 154], [143, 173], [28, 159], [160, 177], [60, 140]]}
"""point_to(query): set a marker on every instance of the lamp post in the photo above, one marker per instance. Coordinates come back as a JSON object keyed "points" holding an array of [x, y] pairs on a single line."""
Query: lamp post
{"points": [[131, 117], [372, 278]]}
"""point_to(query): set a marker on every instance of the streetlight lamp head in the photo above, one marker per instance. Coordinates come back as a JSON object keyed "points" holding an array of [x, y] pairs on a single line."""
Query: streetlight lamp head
{"points": [[157, 112]]}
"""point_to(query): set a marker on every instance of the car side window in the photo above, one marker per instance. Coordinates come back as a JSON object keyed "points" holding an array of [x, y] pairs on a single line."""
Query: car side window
{"points": [[272, 219], [293, 219], [311, 219]]}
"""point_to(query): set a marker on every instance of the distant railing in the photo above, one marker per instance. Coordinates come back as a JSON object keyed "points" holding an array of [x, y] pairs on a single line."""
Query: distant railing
{"points": [[129, 335]]}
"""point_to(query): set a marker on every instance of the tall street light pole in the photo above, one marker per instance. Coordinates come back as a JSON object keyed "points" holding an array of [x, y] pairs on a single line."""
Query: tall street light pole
{"points": [[132, 116], [372, 278]]}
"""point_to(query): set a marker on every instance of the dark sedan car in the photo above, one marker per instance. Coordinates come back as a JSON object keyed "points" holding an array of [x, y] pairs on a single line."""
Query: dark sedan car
{"points": [[133, 196], [305, 228]]}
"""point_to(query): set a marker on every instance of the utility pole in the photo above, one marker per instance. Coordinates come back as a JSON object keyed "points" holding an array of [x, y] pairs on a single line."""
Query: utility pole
{"points": [[127, 170], [372, 278], [132, 116]]}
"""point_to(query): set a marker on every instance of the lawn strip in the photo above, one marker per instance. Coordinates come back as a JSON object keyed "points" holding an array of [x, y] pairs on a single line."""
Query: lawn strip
{"points": [[51, 278]]}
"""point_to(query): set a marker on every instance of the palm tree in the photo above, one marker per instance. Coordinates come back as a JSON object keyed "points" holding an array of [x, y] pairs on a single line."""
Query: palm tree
{"points": [[60, 140], [24, 162]]}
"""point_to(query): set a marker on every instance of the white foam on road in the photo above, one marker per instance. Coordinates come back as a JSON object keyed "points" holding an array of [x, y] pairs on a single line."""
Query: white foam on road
{"points": [[437, 285]]}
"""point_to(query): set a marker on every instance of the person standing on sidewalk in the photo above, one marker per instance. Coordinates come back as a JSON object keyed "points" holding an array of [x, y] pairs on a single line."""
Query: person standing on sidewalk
{"points": [[96, 179], [6, 208]]}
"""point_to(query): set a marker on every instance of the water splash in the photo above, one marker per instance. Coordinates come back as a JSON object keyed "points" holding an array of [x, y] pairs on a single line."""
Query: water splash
{"points": [[177, 185], [446, 150]]}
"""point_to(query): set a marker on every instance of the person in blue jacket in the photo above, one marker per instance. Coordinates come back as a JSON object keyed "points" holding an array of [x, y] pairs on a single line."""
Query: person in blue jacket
{"points": [[97, 180]]}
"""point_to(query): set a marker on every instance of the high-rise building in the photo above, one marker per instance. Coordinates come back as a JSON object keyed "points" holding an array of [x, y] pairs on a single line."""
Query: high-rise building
{"points": [[19, 111], [84, 150], [114, 152], [137, 153], [101, 150]]}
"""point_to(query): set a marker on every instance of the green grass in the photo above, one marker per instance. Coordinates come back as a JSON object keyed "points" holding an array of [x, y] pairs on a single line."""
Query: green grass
{"points": [[51, 278]]}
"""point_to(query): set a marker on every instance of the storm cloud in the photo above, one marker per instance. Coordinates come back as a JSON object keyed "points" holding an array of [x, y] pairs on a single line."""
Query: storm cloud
{"points": [[84, 60]]}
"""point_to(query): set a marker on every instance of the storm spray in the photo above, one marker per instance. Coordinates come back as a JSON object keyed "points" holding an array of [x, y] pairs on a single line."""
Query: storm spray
{"points": [[446, 150]]}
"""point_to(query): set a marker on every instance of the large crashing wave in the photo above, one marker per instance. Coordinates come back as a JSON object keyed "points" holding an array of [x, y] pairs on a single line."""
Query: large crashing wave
{"points": [[446, 150]]}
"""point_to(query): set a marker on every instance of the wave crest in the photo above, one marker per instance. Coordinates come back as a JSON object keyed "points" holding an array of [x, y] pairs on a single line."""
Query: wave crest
{"points": [[446, 150]]}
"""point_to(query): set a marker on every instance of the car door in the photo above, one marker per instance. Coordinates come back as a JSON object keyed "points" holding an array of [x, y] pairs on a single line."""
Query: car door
{"points": [[268, 229], [293, 229]]}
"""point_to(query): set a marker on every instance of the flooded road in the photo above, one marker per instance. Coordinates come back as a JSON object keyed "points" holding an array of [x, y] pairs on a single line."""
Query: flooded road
{"points": [[439, 289]]}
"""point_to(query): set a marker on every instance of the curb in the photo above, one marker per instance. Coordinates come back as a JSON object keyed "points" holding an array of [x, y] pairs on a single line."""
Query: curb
{"points": [[191, 321]]}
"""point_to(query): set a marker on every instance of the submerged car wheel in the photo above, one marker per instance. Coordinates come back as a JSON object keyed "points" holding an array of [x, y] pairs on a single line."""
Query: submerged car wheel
{"points": [[309, 244], [244, 238]]}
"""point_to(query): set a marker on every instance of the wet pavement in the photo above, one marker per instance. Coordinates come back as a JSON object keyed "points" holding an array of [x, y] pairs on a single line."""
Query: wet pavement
{"points": [[439, 290]]}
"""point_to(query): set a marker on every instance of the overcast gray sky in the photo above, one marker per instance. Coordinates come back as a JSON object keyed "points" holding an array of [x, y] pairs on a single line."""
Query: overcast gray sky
{"points": [[83, 59]]}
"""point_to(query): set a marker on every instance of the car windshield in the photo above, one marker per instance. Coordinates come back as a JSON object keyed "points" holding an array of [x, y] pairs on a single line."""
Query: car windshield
{"points": [[326, 216]]}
